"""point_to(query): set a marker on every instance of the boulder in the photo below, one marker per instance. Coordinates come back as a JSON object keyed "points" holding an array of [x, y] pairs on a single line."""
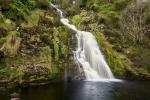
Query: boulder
{"points": [[14, 96]]}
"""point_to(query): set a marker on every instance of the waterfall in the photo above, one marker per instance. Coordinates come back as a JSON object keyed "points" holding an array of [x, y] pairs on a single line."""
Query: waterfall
{"points": [[88, 53]]}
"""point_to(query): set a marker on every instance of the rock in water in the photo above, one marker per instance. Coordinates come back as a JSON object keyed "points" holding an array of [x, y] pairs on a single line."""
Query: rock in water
{"points": [[14, 96], [15, 99]]}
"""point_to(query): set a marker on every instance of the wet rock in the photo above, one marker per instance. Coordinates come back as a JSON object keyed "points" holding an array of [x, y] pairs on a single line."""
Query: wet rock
{"points": [[15, 99], [14, 96]]}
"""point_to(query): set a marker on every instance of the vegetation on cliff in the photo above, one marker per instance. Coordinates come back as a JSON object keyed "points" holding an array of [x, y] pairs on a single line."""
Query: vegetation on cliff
{"points": [[31, 46]]}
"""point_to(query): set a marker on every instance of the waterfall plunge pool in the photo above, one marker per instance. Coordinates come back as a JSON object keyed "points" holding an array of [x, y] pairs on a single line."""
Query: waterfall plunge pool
{"points": [[84, 90]]}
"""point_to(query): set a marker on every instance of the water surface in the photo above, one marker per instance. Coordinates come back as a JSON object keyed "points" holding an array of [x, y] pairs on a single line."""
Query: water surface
{"points": [[84, 90]]}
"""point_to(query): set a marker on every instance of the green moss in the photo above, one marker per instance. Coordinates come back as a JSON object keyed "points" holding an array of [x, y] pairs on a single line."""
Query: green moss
{"points": [[29, 68], [56, 44], [1, 18], [49, 18], [45, 54], [6, 24], [60, 43], [76, 21], [32, 19], [12, 73], [65, 51]]}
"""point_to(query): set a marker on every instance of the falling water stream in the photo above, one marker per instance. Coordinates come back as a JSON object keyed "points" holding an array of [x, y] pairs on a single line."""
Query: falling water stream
{"points": [[88, 53]]}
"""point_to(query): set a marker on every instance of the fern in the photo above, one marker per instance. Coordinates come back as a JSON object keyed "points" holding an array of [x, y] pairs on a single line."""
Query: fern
{"points": [[19, 9]]}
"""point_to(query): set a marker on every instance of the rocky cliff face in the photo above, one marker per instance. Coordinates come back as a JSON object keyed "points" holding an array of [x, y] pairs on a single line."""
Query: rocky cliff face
{"points": [[34, 45]]}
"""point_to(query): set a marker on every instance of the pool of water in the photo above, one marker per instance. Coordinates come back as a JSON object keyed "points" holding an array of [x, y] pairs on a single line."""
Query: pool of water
{"points": [[84, 90]]}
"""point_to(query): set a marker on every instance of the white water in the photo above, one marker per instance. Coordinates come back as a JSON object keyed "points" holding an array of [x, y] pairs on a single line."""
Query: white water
{"points": [[88, 54]]}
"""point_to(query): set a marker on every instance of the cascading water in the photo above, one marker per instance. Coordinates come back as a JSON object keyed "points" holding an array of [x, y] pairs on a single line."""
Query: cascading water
{"points": [[88, 54]]}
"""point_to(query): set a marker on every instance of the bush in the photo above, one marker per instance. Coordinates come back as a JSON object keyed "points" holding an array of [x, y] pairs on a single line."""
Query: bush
{"points": [[76, 20], [45, 53], [95, 7], [18, 9], [1, 18]]}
